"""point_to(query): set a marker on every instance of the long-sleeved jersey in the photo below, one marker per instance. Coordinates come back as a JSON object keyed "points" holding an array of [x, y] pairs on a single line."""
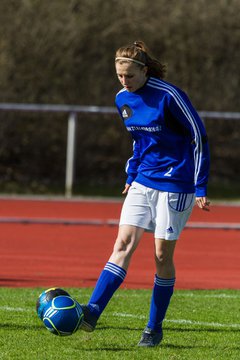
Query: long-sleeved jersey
{"points": [[170, 148]]}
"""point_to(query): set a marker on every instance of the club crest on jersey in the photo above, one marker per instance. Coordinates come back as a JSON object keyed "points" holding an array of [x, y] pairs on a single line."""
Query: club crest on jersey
{"points": [[126, 112]]}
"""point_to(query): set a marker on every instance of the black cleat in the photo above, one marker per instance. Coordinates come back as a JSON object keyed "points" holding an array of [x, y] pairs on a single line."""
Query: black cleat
{"points": [[89, 319], [150, 338]]}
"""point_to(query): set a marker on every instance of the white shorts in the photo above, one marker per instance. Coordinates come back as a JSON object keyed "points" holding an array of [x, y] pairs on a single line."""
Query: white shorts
{"points": [[163, 213]]}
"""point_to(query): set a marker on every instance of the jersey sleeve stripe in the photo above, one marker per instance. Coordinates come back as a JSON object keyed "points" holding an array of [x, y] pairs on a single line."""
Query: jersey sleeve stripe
{"points": [[158, 84]]}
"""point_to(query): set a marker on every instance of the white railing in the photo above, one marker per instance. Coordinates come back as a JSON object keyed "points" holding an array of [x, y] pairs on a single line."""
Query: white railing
{"points": [[73, 110]]}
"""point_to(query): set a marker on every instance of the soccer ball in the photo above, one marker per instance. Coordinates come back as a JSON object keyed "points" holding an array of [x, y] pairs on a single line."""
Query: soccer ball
{"points": [[62, 315], [47, 296]]}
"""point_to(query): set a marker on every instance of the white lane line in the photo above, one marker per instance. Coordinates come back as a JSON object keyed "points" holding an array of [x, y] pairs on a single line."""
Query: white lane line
{"points": [[182, 321]]}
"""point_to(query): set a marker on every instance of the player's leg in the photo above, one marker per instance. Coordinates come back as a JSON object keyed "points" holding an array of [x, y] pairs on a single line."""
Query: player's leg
{"points": [[172, 212], [135, 217], [164, 258], [126, 243], [112, 275], [163, 282], [162, 292]]}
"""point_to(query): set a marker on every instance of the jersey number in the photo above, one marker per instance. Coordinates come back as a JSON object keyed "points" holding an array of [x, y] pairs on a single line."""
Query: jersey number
{"points": [[168, 173]]}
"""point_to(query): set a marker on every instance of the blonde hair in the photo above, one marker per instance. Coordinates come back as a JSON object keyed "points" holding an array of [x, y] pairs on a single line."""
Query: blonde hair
{"points": [[140, 54]]}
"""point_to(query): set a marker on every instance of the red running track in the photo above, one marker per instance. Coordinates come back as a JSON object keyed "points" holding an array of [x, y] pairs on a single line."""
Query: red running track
{"points": [[45, 255]]}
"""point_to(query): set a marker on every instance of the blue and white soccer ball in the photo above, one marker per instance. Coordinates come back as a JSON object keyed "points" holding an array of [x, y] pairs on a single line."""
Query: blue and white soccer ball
{"points": [[63, 315], [45, 297]]}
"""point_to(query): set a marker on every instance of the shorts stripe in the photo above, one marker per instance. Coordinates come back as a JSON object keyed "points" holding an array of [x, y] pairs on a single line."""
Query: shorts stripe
{"points": [[184, 198], [178, 203], [181, 204]]}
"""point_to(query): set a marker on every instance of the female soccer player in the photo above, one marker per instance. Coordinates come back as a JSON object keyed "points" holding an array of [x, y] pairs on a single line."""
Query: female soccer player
{"points": [[167, 172]]}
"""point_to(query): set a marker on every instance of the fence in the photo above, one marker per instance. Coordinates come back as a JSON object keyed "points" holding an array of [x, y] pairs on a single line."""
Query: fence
{"points": [[73, 111]]}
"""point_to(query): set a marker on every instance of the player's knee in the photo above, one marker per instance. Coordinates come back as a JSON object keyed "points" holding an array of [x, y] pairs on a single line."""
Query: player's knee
{"points": [[163, 259], [124, 244], [160, 258]]}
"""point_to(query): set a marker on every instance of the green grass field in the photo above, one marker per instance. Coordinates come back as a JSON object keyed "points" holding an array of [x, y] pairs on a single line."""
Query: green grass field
{"points": [[199, 325]]}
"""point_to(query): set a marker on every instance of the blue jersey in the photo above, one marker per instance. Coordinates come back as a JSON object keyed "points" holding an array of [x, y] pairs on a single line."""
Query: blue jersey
{"points": [[170, 148]]}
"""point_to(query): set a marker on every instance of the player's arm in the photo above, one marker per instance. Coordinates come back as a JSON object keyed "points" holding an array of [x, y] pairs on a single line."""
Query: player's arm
{"points": [[132, 167], [203, 203], [127, 187], [183, 111]]}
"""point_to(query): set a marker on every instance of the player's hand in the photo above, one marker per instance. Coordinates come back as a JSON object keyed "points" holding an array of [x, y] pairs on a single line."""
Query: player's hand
{"points": [[127, 187], [203, 203]]}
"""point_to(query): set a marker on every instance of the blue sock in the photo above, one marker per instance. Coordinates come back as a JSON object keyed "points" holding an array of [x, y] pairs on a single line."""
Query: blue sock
{"points": [[161, 295], [108, 282]]}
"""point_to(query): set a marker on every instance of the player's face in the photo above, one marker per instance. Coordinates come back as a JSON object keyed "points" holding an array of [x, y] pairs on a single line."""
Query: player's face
{"points": [[131, 76]]}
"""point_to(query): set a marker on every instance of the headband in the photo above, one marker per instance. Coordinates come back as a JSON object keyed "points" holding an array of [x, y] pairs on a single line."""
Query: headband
{"points": [[130, 59]]}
